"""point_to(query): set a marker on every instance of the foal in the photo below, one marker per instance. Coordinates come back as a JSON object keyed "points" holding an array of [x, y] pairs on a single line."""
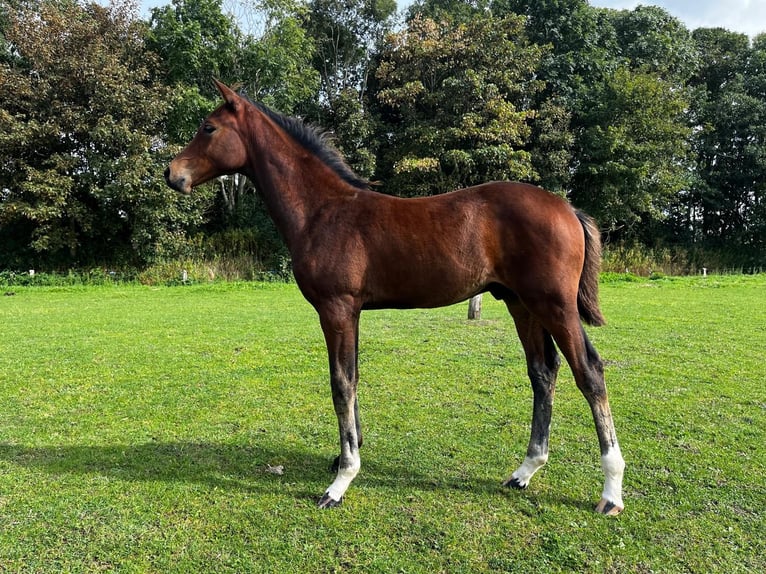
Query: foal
{"points": [[354, 249]]}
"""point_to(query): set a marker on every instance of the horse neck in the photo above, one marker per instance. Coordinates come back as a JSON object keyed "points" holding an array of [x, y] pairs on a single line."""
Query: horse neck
{"points": [[294, 183]]}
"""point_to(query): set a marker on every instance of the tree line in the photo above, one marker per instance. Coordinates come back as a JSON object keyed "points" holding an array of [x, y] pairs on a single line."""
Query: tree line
{"points": [[656, 130]]}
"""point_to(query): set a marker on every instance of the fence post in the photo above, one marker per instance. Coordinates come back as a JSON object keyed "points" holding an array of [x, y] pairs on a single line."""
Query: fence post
{"points": [[474, 307]]}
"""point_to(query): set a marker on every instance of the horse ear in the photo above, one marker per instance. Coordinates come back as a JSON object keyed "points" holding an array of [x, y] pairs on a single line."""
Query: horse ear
{"points": [[230, 96]]}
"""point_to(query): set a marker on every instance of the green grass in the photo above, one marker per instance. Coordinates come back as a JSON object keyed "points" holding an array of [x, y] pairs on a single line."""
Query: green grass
{"points": [[138, 426]]}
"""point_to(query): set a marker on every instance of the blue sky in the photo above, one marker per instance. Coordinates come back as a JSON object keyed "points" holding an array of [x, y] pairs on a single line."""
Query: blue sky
{"points": [[748, 16]]}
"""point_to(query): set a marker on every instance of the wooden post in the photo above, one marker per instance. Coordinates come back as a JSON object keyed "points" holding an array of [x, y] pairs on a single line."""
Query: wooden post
{"points": [[474, 307]]}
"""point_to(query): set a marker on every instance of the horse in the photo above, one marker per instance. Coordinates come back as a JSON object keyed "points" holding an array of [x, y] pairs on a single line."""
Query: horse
{"points": [[355, 249]]}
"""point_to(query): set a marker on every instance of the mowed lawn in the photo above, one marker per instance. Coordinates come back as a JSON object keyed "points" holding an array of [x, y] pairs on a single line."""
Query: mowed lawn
{"points": [[190, 429]]}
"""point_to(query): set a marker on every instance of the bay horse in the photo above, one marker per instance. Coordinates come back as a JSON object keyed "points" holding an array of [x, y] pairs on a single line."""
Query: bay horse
{"points": [[354, 249]]}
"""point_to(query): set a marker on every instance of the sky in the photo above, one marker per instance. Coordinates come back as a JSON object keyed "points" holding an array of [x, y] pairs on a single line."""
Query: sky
{"points": [[747, 16]]}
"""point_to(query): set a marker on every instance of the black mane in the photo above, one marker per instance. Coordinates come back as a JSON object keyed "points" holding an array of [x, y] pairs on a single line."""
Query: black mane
{"points": [[317, 141]]}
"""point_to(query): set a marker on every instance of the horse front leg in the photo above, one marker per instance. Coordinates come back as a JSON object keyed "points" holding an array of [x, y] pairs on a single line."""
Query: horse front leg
{"points": [[340, 325]]}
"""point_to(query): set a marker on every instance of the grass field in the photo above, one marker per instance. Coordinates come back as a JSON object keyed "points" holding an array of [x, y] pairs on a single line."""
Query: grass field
{"points": [[140, 430]]}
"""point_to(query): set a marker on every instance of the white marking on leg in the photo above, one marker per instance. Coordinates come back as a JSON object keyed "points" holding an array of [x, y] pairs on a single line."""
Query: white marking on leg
{"points": [[530, 466], [613, 466], [343, 479]]}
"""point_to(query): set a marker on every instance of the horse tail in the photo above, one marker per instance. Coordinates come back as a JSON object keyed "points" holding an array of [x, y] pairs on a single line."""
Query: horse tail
{"points": [[587, 293]]}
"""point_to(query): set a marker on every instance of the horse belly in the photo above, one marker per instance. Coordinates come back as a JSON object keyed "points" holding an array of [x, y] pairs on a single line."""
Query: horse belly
{"points": [[408, 283]]}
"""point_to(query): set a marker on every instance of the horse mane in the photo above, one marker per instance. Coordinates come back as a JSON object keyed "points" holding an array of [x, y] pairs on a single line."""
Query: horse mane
{"points": [[317, 141]]}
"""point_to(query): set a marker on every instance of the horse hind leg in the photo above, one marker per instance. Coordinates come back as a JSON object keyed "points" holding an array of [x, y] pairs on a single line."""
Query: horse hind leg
{"points": [[588, 370], [612, 463], [542, 367]]}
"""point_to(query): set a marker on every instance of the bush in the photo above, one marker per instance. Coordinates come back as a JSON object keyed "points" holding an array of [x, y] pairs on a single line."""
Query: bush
{"points": [[232, 268], [674, 261], [95, 276]]}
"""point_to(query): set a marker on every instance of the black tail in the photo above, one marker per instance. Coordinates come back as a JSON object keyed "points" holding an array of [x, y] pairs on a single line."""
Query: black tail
{"points": [[587, 294]]}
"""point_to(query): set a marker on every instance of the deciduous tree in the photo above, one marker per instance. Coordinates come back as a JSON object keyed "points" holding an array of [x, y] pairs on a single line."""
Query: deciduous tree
{"points": [[726, 206], [82, 115], [346, 34], [455, 102], [630, 151]]}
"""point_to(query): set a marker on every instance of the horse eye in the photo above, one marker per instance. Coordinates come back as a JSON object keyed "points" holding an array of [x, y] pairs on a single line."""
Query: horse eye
{"points": [[208, 129]]}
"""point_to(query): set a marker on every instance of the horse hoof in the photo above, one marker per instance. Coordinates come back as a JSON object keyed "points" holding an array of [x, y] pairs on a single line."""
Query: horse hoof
{"points": [[515, 483], [328, 502], [608, 508]]}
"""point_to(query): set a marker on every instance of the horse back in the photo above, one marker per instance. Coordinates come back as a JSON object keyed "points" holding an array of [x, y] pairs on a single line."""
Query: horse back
{"points": [[428, 252]]}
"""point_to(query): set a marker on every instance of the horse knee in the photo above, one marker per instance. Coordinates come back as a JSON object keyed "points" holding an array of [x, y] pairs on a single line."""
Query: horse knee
{"points": [[543, 375], [343, 395]]}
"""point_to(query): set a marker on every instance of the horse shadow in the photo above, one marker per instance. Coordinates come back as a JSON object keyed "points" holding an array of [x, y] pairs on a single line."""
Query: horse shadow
{"points": [[218, 465], [248, 468]]}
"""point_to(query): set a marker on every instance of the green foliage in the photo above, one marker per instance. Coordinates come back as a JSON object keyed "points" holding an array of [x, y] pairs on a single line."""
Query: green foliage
{"points": [[641, 261], [82, 110], [726, 206], [188, 106], [652, 40], [142, 429], [582, 43], [656, 131], [632, 151], [95, 276], [196, 41], [346, 35], [453, 10], [453, 98], [276, 66]]}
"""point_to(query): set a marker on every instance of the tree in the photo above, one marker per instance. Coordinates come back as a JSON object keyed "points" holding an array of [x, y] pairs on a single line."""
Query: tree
{"points": [[581, 38], [631, 146], [454, 10], [80, 175], [651, 40], [619, 79], [346, 34], [276, 65], [725, 207], [580, 50], [454, 101], [197, 41]]}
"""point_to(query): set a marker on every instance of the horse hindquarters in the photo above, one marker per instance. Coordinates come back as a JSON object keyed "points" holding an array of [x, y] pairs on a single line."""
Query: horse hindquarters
{"points": [[558, 289]]}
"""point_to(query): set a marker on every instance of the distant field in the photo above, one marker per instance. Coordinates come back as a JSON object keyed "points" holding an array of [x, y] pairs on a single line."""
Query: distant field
{"points": [[140, 428]]}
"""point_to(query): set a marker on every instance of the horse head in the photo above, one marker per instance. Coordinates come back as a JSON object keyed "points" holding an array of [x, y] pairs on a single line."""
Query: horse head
{"points": [[218, 148]]}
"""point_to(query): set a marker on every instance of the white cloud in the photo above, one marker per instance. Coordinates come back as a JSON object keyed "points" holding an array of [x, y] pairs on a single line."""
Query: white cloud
{"points": [[746, 16]]}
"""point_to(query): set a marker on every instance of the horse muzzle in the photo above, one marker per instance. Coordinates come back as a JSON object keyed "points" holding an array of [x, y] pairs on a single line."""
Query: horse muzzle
{"points": [[179, 182]]}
